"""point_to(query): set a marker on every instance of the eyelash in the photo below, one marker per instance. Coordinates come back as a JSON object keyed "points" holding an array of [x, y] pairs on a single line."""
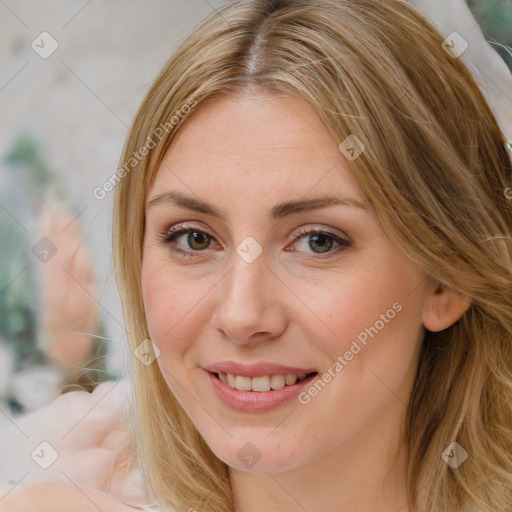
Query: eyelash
{"points": [[169, 236]]}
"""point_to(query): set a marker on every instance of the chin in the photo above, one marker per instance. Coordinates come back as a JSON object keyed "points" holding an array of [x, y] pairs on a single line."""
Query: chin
{"points": [[257, 454]]}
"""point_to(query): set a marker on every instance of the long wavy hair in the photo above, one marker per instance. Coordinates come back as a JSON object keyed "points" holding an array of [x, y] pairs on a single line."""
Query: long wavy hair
{"points": [[436, 172]]}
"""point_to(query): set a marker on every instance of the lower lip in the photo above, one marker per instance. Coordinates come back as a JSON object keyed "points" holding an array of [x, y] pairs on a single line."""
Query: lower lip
{"points": [[256, 401]]}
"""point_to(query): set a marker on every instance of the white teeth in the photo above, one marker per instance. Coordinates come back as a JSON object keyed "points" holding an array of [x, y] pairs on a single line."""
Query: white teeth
{"points": [[290, 379], [277, 381], [262, 383], [243, 383], [231, 380]]}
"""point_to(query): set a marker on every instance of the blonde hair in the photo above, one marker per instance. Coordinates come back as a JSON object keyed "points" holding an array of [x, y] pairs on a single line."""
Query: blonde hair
{"points": [[435, 170]]}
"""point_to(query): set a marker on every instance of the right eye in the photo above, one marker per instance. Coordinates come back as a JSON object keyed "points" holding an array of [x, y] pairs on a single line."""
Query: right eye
{"points": [[196, 239]]}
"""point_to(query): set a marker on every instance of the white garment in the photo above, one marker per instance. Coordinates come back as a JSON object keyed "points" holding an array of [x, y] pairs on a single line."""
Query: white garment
{"points": [[489, 69]]}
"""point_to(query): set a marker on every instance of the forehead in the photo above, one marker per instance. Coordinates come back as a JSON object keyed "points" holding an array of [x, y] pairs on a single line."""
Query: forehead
{"points": [[253, 143]]}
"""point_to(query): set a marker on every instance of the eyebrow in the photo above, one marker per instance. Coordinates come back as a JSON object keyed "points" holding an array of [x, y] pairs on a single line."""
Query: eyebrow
{"points": [[279, 211]]}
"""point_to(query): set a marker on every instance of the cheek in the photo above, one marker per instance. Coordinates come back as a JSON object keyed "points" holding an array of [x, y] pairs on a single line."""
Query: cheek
{"points": [[175, 308], [376, 318], [367, 324], [362, 304], [370, 334], [165, 302], [156, 298]]}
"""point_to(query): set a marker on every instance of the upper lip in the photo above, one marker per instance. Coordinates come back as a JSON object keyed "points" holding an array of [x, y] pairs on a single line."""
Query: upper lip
{"points": [[256, 369]]}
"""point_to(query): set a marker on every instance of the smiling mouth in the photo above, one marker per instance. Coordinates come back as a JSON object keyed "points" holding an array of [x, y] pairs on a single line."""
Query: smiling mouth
{"points": [[262, 383]]}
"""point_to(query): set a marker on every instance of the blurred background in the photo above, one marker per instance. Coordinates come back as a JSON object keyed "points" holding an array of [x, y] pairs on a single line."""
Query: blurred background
{"points": [[72, 75], [495, 19]]}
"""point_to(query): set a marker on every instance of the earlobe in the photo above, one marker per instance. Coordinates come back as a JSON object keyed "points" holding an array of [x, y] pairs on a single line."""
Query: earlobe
{"points": [[443, 307]]}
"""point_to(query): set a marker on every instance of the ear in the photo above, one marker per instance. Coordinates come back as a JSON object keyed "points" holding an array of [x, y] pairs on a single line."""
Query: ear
{"points": [[443, 307]]}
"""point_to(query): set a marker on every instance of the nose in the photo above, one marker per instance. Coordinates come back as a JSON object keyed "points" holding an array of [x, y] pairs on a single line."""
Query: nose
{"points": [[248, 308]]}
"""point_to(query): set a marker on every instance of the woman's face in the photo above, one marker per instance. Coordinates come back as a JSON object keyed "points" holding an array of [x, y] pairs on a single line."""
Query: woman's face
{"points": [[272, 279]]}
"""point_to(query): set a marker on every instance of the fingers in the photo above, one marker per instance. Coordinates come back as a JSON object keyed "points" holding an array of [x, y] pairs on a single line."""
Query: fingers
{"points": [[68, 292], [119, 443], [128, 487], [61, 497], [85, 434]]}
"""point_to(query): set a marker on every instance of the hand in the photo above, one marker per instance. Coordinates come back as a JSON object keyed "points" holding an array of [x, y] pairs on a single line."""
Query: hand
{"points": [[61, 497], [68, 292], [86, 435]]}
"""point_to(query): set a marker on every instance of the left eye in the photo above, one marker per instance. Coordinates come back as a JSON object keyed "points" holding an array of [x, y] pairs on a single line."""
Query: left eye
{"points": [[319, 241], [322, 240]]}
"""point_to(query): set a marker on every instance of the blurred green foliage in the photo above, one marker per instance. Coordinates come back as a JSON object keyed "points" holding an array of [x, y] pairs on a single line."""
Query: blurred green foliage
{"points": [[28, 175], [30, 185], [495, 20]]}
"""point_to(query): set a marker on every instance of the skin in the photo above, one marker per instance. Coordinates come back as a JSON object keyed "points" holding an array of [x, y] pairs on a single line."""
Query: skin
{"points": [[93, 447], [51, 497], [68, 312], [234, 324], [244, 154]]}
